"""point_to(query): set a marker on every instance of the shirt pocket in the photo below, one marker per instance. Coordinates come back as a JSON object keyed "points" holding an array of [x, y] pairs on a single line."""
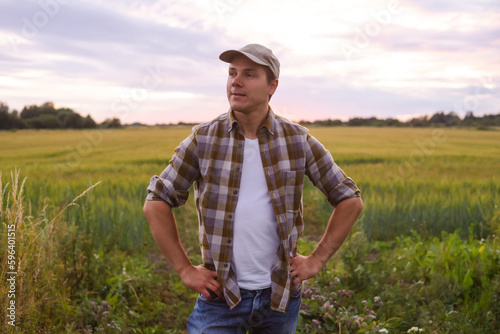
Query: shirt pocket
{"points": [[293, 183]]}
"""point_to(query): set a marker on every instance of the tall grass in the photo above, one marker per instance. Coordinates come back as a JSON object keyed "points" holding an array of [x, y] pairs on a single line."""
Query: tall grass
{"points": [[71, 279], [41, 293]]}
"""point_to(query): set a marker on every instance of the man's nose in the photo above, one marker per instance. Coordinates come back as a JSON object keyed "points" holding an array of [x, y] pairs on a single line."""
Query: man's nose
{"points": [[236, 81]]}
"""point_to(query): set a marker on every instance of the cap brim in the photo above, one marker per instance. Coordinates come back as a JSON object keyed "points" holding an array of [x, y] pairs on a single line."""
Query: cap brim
{"points": [[228, 56]]}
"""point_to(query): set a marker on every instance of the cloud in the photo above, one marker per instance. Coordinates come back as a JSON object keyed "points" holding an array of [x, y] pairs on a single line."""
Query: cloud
{"points": [[445, 6], [160, 58]]}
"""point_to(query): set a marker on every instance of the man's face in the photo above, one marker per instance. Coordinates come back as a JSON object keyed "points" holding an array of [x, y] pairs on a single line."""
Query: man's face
{"points": [[247, 87]]}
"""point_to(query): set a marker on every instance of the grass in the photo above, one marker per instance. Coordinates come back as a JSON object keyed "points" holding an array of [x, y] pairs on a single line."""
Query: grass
{"points": [[426, 244]]}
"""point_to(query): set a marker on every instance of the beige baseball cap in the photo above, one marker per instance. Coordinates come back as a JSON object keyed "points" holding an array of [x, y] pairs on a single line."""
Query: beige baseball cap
{"points": [[256, 53]]}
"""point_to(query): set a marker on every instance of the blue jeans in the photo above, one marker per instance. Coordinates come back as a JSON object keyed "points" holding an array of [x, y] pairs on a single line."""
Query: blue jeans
{"points": [[252, 314]]}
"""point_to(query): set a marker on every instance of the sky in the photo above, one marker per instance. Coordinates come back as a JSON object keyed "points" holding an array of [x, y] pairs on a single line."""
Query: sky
{"points": [[157, 61]]}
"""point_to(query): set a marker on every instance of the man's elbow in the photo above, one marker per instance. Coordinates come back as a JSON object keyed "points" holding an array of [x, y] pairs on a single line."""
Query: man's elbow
{"points": [[149, 210], [353, 204], [146, 208], [155, 208], [359, 205]]}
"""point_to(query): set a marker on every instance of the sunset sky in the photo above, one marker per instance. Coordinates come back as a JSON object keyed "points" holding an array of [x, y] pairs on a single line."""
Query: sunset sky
{"points": [[157, 61]]}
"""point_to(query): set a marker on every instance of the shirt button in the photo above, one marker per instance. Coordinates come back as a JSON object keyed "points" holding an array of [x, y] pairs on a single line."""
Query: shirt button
{"points": [[240, 146], [238, 169], [229, 241], [235, 192], [230, 216], [225, 265]]}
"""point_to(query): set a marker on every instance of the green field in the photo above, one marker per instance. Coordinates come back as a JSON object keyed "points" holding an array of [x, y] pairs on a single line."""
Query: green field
{"points": [[424, 254]]}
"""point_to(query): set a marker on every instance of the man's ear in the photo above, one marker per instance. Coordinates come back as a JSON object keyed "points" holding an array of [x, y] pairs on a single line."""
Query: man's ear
{"points": [[273, 86]]}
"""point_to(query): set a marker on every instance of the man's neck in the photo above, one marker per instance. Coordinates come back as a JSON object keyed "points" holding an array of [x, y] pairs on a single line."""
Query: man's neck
{"points": [[250, 123]]}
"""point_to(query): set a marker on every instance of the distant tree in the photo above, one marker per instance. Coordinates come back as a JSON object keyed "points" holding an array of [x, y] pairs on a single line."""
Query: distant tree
{"points": [[34, 111], [5, 117], [72, 121], [18, 123], [470, 119], [392, 122], [438, 118], [89, 123], [442, 119], [356, 121], [63, 114], [44, 122], [111, 124], [419, 122], [30, 112], [490, 120], [45, 116], [48, 109], [452, 119], [332, 122]]}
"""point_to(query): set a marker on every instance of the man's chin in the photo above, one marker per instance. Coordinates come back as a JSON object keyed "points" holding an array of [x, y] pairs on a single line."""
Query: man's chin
{"points": [[237, 107]]}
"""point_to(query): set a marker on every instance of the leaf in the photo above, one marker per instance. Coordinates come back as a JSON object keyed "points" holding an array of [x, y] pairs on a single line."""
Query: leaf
{"points": [[468, 282]]}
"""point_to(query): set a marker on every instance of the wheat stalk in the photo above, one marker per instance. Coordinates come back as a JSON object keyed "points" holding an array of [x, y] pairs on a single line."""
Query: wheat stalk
{"points": [[73, 202]]}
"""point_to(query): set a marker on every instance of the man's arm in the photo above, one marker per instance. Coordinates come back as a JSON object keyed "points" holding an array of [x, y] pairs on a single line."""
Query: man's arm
{"points": [[339, 226], [164, 229]]}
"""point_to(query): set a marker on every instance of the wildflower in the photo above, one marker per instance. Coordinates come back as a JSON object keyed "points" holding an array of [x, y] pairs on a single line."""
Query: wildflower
{"points": [[415, 329], [370, 317], [344, 294], [383, 330], [378, 301], [317, 323]]}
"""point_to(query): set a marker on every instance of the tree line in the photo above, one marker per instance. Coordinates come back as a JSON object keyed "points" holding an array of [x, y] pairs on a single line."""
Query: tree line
{"points": [[46, 116], [439, 119], [450, 119]]}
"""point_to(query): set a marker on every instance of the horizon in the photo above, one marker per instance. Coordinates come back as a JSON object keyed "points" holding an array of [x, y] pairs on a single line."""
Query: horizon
{"points": [[303, 120], [157, 62]]}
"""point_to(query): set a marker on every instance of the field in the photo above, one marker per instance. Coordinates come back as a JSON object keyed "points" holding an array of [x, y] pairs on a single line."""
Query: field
{"points": [[424, 255]]}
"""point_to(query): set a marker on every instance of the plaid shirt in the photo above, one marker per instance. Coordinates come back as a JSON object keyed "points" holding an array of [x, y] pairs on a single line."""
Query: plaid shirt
{"points": [[211, 158]]}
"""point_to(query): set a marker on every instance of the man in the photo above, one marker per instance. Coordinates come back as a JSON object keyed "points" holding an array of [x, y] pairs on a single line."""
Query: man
{"points": [[247, 167]]}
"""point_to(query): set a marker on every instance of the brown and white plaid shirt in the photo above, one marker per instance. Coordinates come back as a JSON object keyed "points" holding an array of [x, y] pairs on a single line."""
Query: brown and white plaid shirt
{"points": [[212, 157]]}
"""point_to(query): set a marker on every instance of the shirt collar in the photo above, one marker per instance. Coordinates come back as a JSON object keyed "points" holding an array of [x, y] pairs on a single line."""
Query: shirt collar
{"points": [[268, 124]]}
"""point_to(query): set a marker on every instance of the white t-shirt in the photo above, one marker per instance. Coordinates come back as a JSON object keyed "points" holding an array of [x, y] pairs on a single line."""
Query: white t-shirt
{"points": [[256, 238]]}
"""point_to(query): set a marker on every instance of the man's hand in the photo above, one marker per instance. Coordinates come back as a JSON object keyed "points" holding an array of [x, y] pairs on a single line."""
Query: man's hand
{"points": [[339, 226], [304, 267], [199, 279], [164, 228]]}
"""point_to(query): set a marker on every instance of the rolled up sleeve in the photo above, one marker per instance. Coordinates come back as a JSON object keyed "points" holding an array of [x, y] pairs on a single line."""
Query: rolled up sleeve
{"points": [[172, 186], [326, 175]]}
